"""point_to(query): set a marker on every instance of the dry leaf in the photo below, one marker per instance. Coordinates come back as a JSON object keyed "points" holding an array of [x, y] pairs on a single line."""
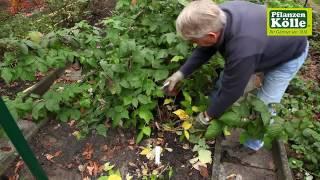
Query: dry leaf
{"points": [[58, 153], [90, 170], [86, 178], [88, 151], [81, 168], [19, 165], [49, 157], [6, 148], [132, 164], [71, 123], [204, 171], [181, 114], [129, 177]]}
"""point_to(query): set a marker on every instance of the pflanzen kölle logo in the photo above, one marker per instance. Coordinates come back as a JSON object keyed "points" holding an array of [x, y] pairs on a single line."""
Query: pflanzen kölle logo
{"points": [[289, 21]]}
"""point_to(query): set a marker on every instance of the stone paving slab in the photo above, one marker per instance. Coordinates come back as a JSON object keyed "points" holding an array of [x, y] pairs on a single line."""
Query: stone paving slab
{"points": [[237, 159]]}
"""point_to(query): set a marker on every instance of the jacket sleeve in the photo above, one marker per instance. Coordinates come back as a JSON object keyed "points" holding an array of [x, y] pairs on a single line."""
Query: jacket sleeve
{"points": [[234, 81], [199, 56]]}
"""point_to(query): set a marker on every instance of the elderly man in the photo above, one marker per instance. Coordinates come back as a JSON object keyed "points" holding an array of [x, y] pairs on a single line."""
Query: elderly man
{"points": [[237, 29]]}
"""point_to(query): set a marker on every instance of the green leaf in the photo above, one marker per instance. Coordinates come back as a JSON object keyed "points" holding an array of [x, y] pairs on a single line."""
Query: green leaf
{"points": [[205, 156], [139, 137], [35, 36], [75, 114], [52, 105], [274, 130], [143, 99], [244, 136], [36, 110], [103, 178], [177, 58], [171, 37], [183, 2], [145, 114], [6, 74], [230, 118], [160, 74], [23, 48], [187, 97], [214, 129], [265, 116], [101, 130], [147, 130], [85, 103]]}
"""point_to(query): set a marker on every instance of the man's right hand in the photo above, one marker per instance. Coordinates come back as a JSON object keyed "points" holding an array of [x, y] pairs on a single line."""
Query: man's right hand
{"points": [[173, 81]]}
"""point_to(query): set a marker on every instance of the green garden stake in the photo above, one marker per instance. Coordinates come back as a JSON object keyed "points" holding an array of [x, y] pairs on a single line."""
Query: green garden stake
{"points": [[15, 135]]}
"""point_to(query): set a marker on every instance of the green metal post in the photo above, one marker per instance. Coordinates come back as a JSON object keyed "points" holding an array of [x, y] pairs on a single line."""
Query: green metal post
{"points": [[12, 130]]}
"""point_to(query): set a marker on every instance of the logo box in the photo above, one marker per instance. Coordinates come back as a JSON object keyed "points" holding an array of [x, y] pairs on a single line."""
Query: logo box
{"points": [[289, 21]]}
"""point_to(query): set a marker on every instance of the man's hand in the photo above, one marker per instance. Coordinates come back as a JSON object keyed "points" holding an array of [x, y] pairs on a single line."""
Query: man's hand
{"points": [[172, 81], [202, 120]]}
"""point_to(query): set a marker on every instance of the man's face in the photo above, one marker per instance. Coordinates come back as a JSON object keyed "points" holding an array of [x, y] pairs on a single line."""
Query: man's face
{"points": [[208, 40]]}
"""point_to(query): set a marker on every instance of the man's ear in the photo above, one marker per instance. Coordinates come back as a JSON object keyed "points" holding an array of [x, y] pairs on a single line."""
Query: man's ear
{"points": [[213, 36]]}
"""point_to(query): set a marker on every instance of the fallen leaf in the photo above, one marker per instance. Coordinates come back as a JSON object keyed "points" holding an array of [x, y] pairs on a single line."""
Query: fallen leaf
{"points": [[104, 148], [114, 177], [167, 101], [86, 178], [129, 177], [181, 114], [205, 156], [131, 141], [81, 168], [132, 164], [186, 134], [198, 164], [194, 160], [145, 151], [185, 146], [69, 166], [49, 157], [88, 151], [107, 166], [77, 134], [71, 123], [19, 165], [186, 125], [204, 171], [58, 153], [6, 148], [90, 170]]}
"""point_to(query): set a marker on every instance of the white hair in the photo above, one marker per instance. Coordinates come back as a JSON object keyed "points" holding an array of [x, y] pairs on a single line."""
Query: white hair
{"points": [[199, 18]]}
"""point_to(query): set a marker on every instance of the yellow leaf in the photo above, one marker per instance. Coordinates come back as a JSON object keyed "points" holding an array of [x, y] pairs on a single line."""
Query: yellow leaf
{"points": [[186, 125], [114, 177], [167, 101], [181, 114], [226, 131], [145, 151], [186, 134], [195, 109]]}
